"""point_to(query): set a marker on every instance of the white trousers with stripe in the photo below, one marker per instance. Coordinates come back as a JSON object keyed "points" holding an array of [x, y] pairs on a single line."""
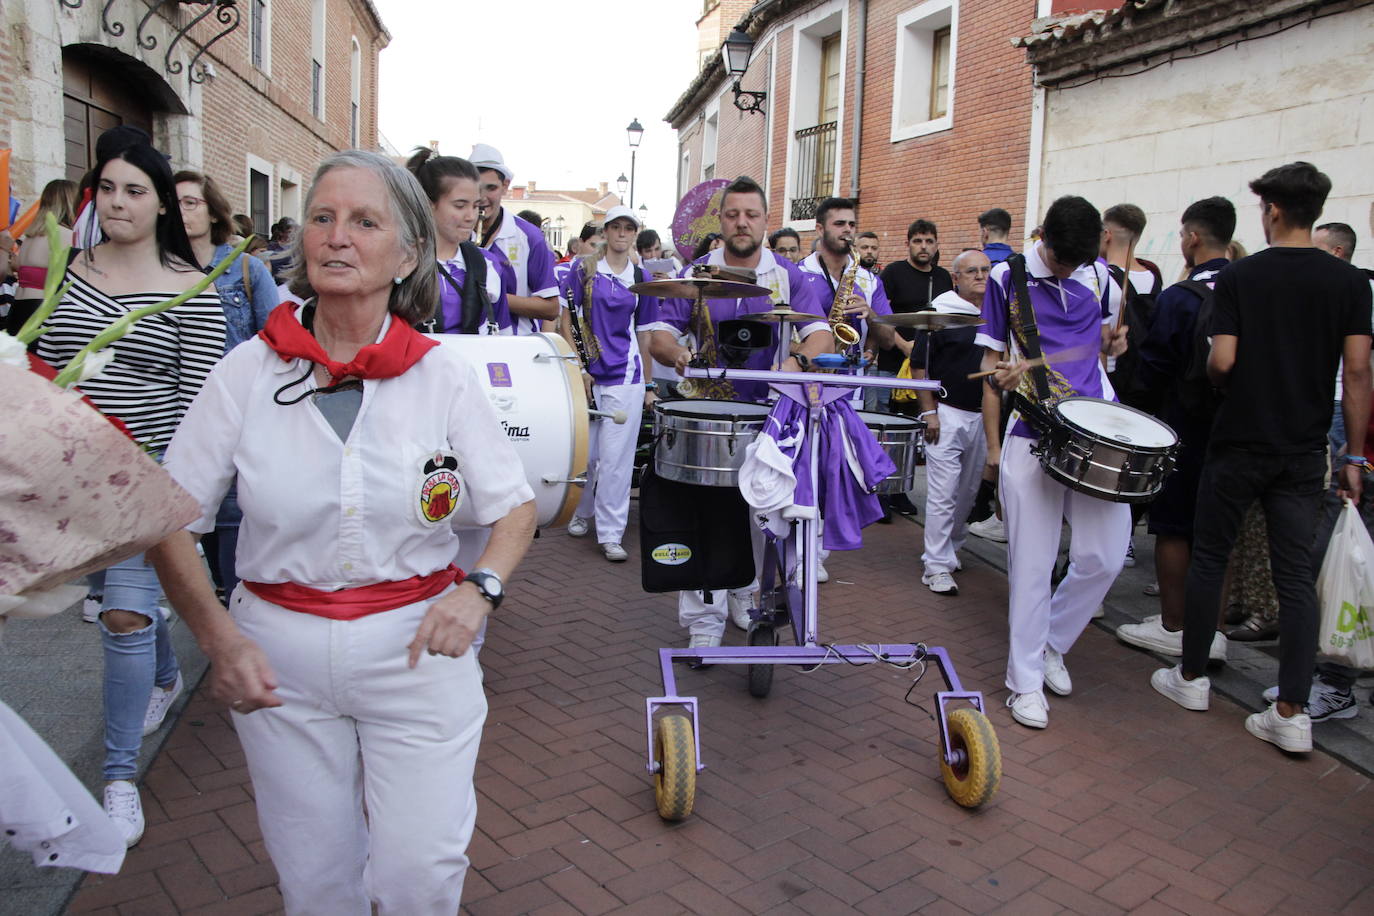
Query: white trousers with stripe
{"points": [[610, 460], [954, 468]]}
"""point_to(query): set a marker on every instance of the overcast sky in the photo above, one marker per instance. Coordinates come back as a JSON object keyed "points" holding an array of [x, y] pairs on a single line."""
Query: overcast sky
{"points": [[560, 83]]}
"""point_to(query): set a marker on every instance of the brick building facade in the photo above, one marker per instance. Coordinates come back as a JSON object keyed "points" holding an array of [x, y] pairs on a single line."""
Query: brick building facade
{"points": [[917, 108], [255, 93]]}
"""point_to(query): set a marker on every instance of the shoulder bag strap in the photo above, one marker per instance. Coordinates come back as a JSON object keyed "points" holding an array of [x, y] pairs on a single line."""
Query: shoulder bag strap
{"points": [[1029, 330]]}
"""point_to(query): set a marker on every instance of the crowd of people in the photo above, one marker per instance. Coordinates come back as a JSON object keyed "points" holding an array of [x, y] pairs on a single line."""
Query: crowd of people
{"points": [[343, 608]]}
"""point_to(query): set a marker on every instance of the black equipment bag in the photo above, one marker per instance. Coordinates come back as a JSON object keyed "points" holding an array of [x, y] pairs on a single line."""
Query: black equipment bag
{"points": [[692, 537]]}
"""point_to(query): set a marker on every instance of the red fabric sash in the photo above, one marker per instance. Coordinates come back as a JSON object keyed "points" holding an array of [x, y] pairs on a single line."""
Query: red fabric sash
{"points": [[352, 603], [401, 348]]}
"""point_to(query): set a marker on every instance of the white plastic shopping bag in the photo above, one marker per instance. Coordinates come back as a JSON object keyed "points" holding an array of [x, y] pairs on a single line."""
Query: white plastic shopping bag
{"points": [[1345, 589]]}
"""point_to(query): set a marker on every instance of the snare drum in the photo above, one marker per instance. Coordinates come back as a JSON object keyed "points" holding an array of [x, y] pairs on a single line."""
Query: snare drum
{"points": [[1108, 450], [903, 439], [702, 442], [534, 382]]}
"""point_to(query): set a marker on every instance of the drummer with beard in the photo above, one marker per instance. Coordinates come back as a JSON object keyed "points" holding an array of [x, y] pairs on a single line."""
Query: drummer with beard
{"points": [[743, 217], [1070, 295]]}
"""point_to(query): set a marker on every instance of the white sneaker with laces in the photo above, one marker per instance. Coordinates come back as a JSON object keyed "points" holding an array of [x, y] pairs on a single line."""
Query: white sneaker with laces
{"points": [[739, 609], [159, 704], [1030, 709], [1293, 734], [1195, 694], [1056, 675], [125, 809], [941, 583], [579, 527], [1323, 701], [90, 607], [990, 529], [615, 553], [1150, 634]]}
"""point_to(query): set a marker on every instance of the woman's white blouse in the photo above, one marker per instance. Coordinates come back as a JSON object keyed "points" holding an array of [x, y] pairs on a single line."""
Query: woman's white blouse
{"points": [[331, 514]]}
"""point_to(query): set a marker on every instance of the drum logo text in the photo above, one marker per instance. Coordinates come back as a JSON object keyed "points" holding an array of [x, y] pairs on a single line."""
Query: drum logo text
{"points": [[671, 554], [516, 433]]}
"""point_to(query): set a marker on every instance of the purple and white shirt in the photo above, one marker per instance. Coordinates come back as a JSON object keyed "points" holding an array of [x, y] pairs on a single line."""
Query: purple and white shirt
{"points": [[786, 284], [617, 316], [867, 285], [1069, 313], [500, 283], [531, 259]]}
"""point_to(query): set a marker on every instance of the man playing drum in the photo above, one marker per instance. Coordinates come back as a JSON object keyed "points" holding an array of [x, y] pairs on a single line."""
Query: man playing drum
{"points": [[1068, 294], [743, 215]]}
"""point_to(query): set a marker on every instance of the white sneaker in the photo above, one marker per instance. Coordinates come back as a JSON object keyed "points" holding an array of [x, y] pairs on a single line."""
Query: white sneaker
{"points": [[90, 608], [125, 809], [1030, 709], [1130, 554], [615, 553], [1150, 634], [941, 583], [1056, 675], [822, 574], [1195, 694], [579, 527], [1100, 612], [739, 609], [1217, 652], [159, 704], [1323, 701], [990, 529], [1293, 734]]}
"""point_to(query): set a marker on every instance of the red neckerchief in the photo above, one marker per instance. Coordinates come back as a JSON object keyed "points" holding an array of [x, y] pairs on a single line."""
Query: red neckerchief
{"points": [[401, 347]]}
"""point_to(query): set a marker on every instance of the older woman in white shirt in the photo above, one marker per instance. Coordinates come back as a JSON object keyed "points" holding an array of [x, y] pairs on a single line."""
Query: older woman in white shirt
{"points": [[353, 437]]}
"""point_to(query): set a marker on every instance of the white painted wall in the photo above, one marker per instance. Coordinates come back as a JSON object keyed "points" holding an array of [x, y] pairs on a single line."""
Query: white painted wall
{"points": [[1209, 125]]}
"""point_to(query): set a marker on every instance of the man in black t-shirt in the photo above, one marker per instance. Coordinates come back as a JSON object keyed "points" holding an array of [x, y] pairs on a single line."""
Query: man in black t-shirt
{"points": [[1282, 320]]}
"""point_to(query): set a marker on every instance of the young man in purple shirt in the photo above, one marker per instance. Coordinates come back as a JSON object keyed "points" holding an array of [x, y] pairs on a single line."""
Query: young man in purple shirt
{"points": [[1070, 294]]}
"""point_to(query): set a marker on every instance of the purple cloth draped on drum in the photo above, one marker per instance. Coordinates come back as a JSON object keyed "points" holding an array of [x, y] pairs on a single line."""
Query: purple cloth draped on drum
{"points": [[852, 464]]}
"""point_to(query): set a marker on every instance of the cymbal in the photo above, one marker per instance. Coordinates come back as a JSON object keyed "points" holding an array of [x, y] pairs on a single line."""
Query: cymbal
{"points": [[779, 315], [692, 287], [928, 321]]}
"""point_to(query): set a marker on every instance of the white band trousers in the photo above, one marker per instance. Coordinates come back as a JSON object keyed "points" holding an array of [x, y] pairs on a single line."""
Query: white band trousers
{"points": [[954, 468]]}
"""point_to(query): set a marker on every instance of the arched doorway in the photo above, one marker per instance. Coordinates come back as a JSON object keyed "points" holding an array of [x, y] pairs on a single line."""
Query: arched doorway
{"points": [[103, 88]]}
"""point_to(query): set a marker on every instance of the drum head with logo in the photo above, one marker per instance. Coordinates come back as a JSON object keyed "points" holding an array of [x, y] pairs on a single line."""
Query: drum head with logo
{"points": [[1114, 422]]}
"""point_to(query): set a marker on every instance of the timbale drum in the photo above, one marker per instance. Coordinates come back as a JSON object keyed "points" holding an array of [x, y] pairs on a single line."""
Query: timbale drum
{"points": [[903, 440], [702, 442]]}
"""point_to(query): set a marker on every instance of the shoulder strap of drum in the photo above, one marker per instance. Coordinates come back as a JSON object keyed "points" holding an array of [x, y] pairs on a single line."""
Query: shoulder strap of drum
{"points": [[476, 300], [1029, 330]]}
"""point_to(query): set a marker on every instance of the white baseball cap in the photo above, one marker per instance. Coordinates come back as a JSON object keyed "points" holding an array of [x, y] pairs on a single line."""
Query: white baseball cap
{"points": [[485, 156], [620, 211]]}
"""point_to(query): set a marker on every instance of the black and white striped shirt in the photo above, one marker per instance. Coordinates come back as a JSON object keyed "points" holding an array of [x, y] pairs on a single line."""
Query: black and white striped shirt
{"points": [[159, 366]]}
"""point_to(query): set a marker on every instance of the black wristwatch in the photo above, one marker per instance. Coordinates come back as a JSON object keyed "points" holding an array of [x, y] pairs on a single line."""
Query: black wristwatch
{"points": [[488, 584]]}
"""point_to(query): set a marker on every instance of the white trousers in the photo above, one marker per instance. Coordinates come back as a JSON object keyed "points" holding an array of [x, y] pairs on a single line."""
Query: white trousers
{"points": [[1033, 507], [954, 468], [610, 461], [357, 726], [708, 618]]}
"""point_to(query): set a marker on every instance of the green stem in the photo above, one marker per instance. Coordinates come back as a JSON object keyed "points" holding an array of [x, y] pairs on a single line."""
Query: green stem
{"points": [[121, 326]]}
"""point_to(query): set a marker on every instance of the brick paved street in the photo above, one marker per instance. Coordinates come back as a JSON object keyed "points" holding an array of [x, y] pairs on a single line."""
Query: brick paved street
{"points": [[823, 798]]}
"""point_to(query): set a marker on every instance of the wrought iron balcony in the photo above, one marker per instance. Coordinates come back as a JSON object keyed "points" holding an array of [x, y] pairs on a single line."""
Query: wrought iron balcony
{"points": [[813, 172], [226, 13]]}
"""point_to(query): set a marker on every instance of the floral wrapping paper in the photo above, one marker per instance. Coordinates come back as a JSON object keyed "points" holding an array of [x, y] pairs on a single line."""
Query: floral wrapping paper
{"points": [[76, 495]]}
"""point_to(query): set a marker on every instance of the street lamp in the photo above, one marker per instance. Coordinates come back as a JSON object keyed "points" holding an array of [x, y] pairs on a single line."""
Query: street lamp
{"points": [[643, 216], [621, 184], [635, 133], [738, 47]]}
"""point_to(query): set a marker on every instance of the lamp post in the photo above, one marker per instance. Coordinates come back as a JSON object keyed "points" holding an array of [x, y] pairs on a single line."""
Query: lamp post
{"points": [[635, 133], [738, 48], [643, 216], [621, 184]]}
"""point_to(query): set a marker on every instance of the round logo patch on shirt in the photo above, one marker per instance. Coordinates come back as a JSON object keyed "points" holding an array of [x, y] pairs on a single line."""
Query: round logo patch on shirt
{"points": [[440, 488]]}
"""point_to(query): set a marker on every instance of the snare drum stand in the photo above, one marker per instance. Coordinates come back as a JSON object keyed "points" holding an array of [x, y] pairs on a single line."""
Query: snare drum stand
{"points": [[970, 760]]}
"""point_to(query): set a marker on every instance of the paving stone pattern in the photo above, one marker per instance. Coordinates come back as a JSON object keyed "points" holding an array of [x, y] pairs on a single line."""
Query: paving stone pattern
{"points": [[824, 797]]}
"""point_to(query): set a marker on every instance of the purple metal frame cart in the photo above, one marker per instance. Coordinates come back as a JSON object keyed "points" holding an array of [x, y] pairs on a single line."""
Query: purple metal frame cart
{"points": [[970, 758]]}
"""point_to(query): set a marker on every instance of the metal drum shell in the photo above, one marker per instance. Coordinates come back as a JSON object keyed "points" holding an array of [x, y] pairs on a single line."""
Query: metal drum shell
{"points": [[704, 446], [903, 438], [1097, 465]]}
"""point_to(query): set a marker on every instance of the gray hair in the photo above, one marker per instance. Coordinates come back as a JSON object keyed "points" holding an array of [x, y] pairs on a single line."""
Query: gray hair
{"points": [[414, 299]]}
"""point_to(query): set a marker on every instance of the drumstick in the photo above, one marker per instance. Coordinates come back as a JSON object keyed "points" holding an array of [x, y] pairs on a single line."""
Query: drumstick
{"points": [[1069, 353], [1125, 284]]}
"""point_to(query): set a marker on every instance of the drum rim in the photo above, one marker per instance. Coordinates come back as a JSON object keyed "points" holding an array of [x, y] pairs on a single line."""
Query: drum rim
{"points": [[1107, 440], [670, 408], [907, 423]]}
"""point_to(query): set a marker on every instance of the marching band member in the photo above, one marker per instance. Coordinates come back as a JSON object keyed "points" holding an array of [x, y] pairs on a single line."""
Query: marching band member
{"points": [[616, 361], [474, 282], [1069, 295], [743, 217], [536, 290]]}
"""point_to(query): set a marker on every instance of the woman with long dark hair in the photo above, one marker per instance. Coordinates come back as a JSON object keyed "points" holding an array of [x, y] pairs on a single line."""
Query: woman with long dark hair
{"points": [[157, 369]]}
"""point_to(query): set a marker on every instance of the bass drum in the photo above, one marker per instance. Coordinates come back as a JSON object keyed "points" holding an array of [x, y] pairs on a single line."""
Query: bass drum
{"points": [[534, 382]]}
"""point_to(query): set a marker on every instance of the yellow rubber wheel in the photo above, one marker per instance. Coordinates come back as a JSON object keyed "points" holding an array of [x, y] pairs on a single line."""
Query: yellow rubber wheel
{"points": [[975, 775], [675, 783]]}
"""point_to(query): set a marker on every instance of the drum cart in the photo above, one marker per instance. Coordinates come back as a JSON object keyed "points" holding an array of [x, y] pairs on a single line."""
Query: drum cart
{"points": [[970, 758]]}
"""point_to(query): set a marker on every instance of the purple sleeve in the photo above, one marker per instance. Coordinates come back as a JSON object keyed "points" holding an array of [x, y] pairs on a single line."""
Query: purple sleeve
{"points": [[647, 311], [880, 305], [539, 270], [806, 291], [995, 307]]}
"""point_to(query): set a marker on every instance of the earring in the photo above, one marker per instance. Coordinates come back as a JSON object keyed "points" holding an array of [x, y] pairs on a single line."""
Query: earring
{"points": [[397, 280]]}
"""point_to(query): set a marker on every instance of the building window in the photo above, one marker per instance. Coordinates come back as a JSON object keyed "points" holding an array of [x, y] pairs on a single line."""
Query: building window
{"points": [[289, 199], [709, 142], [829, 94], [317, 60], [817, 107], [257, 33], [260, 202], [923, 94], [684, 179], [355, 78]]}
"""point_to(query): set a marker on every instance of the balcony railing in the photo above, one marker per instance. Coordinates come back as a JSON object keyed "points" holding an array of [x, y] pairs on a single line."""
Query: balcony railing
{"points": [[814, 168]]}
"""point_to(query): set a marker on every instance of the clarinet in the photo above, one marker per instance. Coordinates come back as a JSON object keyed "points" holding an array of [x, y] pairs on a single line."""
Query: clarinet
{"points": [[580, 342]]}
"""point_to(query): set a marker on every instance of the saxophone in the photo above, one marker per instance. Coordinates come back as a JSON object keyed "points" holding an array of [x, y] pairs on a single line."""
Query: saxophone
{"points": [[846, 335]]}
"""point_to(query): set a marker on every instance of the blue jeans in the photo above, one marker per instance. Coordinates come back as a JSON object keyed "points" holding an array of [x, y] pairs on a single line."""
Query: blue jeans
{"points": [[134, 662]]}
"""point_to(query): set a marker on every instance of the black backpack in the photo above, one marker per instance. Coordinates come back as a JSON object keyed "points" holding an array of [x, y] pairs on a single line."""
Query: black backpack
{"points": [[1138, 315], [475, 309], [1195, 391]]}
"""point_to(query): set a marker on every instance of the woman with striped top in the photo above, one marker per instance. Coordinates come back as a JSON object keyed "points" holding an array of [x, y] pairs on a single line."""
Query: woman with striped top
{"points": [[158, 368]]}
